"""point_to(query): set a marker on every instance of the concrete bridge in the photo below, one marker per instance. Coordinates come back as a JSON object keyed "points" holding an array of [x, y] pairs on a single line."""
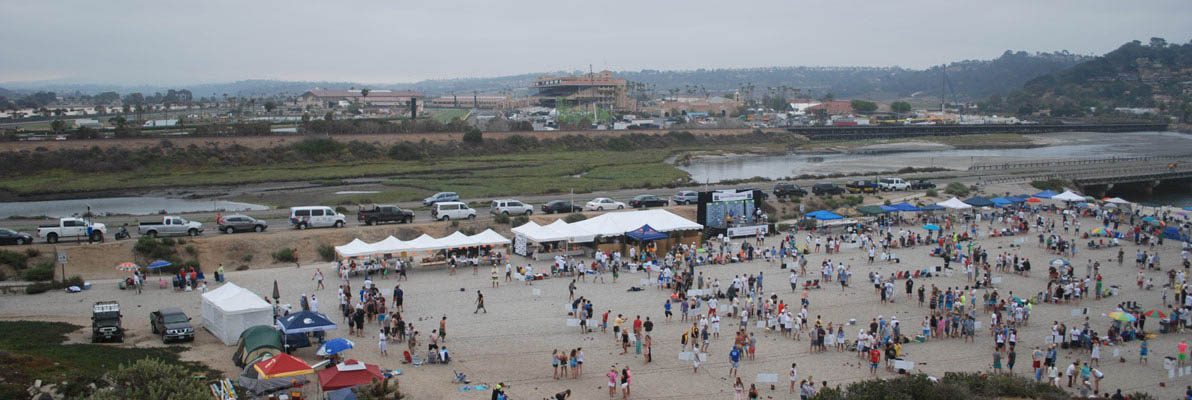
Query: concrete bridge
{"points": [[1095, 176]]}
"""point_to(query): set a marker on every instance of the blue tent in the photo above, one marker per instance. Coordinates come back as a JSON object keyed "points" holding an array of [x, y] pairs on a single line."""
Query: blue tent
{"points": [[888, 208], [931, 207], [978, 201], [905, 207], [1017, 199], [823, 215], [1046, 194], [1001, 201], [646, 233], [1188, 208], [159, 264], [304, 321], [1173, 233]]}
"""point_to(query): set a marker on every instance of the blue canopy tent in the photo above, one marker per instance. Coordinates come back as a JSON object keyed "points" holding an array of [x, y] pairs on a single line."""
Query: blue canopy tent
{"points": [[823, 215], [888, 209], [1001, 201], [1188, 208], [978, 201], [646, 233], [1018, 199], [931, 207], [905, 207], [304, 322], [1173, 233], [159, 264], [1046, 194]]}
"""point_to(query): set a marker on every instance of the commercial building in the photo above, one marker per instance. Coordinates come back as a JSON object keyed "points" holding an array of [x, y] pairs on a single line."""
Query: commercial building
{"points": [[325, 98], [476, 101], [600, 89]]}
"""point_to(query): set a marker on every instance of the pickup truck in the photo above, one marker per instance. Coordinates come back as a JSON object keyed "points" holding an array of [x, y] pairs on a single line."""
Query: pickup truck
{"points": [[922, 184], [170, 226], [375, 214], [105, 322], [862, 187], [72, 228], [172, 324]]}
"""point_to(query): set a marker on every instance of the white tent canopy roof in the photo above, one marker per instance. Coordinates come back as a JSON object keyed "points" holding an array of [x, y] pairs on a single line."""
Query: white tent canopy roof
{"points": [[229, 310], [608, 224], [954, 203], [1068, 195], [1118, 200], [392, 245]]}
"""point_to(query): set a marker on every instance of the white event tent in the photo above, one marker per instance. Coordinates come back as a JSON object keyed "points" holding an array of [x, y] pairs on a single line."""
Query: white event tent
{"points": [[230, 309], [1068, 195], [392, 245], [954, 203], [607, 224]]}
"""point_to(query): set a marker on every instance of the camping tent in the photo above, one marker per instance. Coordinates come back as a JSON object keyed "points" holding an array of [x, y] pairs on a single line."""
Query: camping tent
{"points": [[1069, 196], [822, 215], [255, 342], [978, 201], [230, 309], [954, 203], [645, 233]]}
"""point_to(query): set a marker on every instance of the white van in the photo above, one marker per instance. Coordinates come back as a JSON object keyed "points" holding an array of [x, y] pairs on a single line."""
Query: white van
{"points": [[890, 184], [316, 217], [448, 210]]}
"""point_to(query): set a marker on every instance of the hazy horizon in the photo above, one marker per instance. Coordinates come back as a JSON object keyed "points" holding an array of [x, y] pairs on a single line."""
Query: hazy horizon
{"points": [[131, 43]]}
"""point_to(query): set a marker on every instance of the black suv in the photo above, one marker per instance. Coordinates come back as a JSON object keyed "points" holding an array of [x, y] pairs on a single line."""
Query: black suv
{"points": [[559, 206], [826, 189], [372, 215], [172, 324], [922, 184], [788, 189]]}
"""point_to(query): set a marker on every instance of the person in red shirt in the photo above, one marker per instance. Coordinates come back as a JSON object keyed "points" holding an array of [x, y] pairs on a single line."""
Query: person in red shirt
{"points": [[604, 321], [875, 356], [637, 325]]}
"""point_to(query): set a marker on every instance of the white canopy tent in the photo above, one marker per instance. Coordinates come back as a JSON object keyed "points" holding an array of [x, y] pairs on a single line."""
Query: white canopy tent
{"points": [[230, 309], [1118, 200], [392, 245], [617, 223], [1068, 195], [954, 204]]}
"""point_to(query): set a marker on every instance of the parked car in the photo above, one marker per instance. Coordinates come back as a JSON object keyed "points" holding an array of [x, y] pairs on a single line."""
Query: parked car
{"points": [[448, 210], [762, 192], [862, 186], [510, 206], [9, 236], [648, 200], [922, 184], [241, 223], [603, 203], [316, 217], [172, 324], [788, 189], [892, 184], [105, 322], [440, 197], [375, 214], [76, 228], [560, 206], [827, 189], [170, 226], [685, 197]]}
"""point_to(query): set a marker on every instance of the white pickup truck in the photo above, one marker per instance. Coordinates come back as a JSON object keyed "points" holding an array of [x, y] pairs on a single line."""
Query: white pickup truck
{"points": [[76, 228], [892, 184], [170, 226]]}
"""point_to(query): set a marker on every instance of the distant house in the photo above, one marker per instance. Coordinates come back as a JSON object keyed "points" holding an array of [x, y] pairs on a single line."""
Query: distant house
{"points": [[160, 123], [87, 123]]}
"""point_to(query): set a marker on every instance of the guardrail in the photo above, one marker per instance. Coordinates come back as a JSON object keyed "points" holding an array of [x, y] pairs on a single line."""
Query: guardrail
{"points": [[1061, 163]]}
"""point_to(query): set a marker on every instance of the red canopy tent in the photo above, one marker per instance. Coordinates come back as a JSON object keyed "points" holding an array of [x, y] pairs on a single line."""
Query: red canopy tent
{"points": [[349, 373], [282, 366]]}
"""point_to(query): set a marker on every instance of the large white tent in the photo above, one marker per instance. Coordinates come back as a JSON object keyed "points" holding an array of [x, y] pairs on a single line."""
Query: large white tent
{"points": [[1068, 195], [954, 203], [392, 245], [230, 309], [608, 224]]}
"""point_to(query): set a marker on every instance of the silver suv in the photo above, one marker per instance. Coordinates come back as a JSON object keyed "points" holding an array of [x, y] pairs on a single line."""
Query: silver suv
{"points": [[510, 207]]}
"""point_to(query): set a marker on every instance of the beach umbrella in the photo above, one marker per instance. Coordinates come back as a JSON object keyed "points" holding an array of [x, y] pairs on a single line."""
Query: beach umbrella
{"points": [[1148, 219], [1156, 313], [1097, 231], [931, 227], [159, 264], [282, 366], [127, 266], [1034, 200], [303, 322], [276, 293], [1121, 316], [1059, 262], [335, 346]]}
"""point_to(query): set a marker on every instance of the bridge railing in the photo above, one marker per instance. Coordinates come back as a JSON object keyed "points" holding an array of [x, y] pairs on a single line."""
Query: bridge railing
{"points": [[1061, 163]]}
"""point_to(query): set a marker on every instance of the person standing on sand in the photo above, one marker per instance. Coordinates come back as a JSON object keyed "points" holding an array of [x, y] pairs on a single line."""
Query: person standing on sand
{"points": [[794, 375], [319, 278], [479, 303], [626, 380], [383, 343], [294, 253], [443, 329], [612, 381]]}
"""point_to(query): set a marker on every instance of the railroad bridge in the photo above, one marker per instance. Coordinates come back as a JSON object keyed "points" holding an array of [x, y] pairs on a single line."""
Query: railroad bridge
{"points": [[1096, 176], [913, 131]]}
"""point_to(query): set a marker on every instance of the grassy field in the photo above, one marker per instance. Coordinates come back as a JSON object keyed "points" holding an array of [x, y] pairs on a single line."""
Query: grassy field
{"points": [[446, 115], [33, 350]]}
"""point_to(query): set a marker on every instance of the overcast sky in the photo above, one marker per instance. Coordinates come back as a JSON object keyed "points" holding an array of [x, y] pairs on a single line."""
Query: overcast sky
{"points": [[201, 41]]}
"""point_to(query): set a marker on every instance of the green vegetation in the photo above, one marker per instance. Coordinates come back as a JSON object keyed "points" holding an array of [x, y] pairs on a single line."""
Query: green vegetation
{"points": [[44, 271], [957, 189], [326, 252], [900, 107], [33, 350], [285, 255], [573, 218], [864, 107], [16, 260], [978, 386], [1057, 185], [448, 115], [150, 378]]}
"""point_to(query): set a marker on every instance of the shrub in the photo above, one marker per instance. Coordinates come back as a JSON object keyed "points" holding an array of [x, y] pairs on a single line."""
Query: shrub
{"points": [[957, 189], [150, 378], [242, 268], [501, 219], [17, 261], [180, 241], [284, 255], [169, 241], [3, 275], [42, 287], [342, 210], [246, 258], [326, 252], [32, 252], [574, 217], [42, 272], [190, 249], [932, 193], [405, 151], [38, 287], [154, 249], [472, 135], [191, 264], [519, 220], [1051, 184]]}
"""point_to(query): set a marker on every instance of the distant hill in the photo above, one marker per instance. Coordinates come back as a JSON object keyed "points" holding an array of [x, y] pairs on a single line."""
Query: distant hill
{"points": [[967, 80], [1135, 75]]}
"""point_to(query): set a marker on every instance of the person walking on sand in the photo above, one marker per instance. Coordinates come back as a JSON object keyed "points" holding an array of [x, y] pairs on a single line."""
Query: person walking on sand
{"points": [[612, 381], [479, 303], [383, 343], [626, 380], [738, 390], [319, 278], [794, 375], [443, 329]]}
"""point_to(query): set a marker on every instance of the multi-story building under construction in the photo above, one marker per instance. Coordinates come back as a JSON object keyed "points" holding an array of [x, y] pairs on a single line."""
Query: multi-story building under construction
{"points": [[600, 89]]}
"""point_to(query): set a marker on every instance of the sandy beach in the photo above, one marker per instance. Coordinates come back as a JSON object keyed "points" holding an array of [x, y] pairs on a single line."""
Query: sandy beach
{"points": [[512, 343]]}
